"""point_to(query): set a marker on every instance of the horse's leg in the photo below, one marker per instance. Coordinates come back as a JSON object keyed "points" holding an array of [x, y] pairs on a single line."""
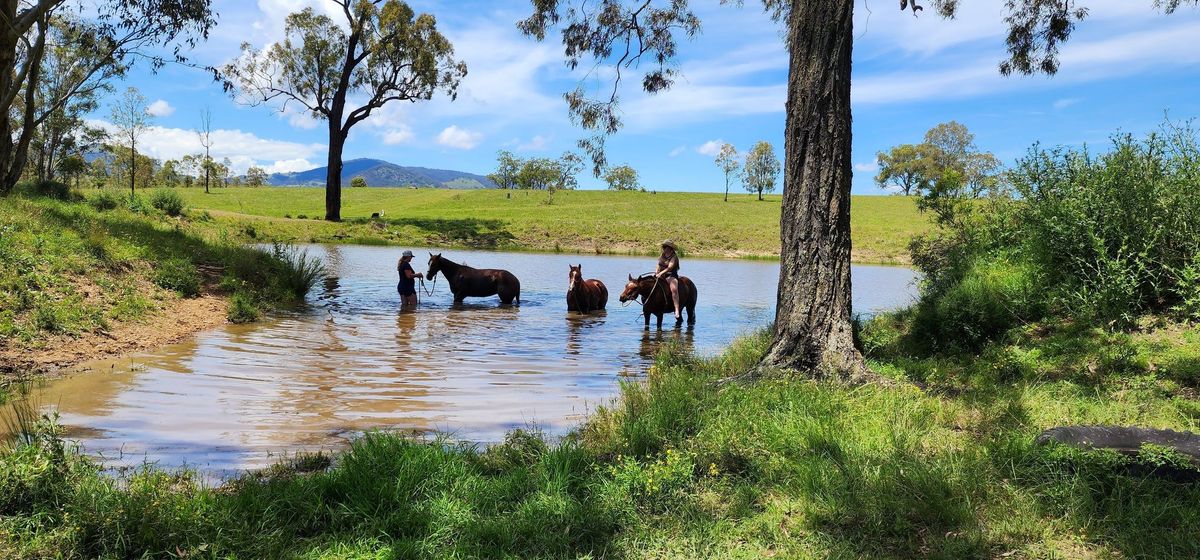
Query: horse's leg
{"points": [[691, 314], [647, 315], [659, 315]]}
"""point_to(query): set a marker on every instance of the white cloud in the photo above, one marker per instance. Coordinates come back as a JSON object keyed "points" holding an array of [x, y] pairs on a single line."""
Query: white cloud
{"points": [[459, 138], [160, 108], [537, 143], [1066, 102], [711, 148], [242, 148], [867, 167], [290, 166], [401, 134], [677, 151]]}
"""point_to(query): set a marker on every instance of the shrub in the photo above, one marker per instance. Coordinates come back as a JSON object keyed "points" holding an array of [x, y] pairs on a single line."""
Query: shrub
{"points": [[105, 200], [358, 182], [179, 275], [137, 204], [242, 308], [49, 189], [1114, 231], [168, 201]]}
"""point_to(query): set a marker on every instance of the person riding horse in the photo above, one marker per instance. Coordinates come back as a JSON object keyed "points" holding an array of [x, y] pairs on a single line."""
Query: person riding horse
{"points": [[668, 270]]}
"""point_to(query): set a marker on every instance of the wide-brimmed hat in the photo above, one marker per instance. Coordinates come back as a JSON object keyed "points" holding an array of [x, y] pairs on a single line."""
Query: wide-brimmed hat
{"points": [[671, 244], [406, 254]]}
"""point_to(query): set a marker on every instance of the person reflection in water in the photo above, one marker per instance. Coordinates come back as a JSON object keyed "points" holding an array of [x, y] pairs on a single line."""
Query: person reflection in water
{"points": [[408, 280]]}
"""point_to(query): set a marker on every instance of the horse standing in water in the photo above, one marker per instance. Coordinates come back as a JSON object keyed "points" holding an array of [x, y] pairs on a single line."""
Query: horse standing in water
{"points": [[584, 296], [468, 282], [656, 297]]}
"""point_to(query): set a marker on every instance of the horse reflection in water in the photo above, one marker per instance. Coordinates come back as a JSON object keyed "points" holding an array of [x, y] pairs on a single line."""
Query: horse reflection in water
{"points": [[655, 341], [577, 325]]}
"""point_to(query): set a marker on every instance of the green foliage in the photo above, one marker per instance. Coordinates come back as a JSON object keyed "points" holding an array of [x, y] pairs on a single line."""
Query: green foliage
{"points": [[358, 182], [168, 201], [992, 296], [242, 308], [106, 200], [761, 169], [297, 271], [180, 275], [1116, 232], [728, 161], [622, 178]]}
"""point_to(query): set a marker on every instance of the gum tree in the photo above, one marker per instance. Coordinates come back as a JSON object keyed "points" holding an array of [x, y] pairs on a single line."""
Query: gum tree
{"points": [[381, 52], [132, 120], [727, 160], [761, 170], [813, 330]]}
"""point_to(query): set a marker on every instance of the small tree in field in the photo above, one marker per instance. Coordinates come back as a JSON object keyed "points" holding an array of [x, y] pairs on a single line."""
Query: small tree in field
{"points": [[762, 167], [132, 120], [204, 133], [622, 178], [727, 160], [906, 167], [382, 52], [358, 182], [256, 176]]}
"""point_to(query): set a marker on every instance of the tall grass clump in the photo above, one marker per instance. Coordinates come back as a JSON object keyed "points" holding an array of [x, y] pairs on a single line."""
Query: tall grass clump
{"points": [[297, 271], [105, 200]]}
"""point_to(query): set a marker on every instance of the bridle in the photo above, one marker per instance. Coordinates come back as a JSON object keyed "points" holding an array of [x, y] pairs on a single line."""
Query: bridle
{"points": [[647, 296]]}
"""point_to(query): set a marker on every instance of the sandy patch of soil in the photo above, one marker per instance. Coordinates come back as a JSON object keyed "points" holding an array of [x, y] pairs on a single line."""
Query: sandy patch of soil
{"points": [[180, 319]]}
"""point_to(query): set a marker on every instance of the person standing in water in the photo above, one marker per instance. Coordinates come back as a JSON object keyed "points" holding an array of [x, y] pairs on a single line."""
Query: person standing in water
{"points": [[668, 271], [408, 279]]}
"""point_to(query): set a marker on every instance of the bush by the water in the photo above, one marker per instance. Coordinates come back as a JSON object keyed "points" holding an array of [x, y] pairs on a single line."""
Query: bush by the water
{"points": [[180, 275], [242, 308], [1101, 238], [168, 201]]}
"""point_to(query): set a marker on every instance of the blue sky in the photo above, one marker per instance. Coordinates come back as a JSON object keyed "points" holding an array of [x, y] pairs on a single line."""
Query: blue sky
{"points": [[1126, 67]]}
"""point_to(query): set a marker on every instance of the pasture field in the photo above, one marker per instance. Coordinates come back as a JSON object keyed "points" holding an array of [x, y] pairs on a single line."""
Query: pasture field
{"points": [[601, 222]]}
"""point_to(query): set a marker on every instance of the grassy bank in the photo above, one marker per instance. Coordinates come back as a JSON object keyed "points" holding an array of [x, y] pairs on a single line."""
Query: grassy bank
{"points": [[578, 221], [684, 467], [72, 271]]}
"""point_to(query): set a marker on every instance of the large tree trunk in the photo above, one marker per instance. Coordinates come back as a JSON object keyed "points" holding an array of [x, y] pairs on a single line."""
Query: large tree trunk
{"points": [[333, 178], [813, 332]]}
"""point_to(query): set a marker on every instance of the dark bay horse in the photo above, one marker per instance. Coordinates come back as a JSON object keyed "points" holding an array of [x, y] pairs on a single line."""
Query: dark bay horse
{"points": [[655, 297], [584, 296], [468, 282]]}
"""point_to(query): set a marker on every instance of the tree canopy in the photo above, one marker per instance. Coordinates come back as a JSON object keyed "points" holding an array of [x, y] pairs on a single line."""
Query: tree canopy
{"points": [[622, 178], [761, 169]]}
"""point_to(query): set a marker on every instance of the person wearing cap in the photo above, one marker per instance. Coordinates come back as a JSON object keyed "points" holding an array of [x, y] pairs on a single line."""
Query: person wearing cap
{"points": [[408, 279], [668, 271]]}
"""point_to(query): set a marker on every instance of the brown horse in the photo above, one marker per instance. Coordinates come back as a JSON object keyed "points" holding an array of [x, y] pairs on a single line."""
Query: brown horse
{"points": [[655, 297], [468, 282], [584, 296]]}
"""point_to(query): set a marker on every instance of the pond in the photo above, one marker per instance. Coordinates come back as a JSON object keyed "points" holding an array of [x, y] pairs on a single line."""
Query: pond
{"points": [[242, 395]]}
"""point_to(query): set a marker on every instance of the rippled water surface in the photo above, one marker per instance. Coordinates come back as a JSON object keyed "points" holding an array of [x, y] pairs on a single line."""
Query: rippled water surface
{"points": [[239, 396]]}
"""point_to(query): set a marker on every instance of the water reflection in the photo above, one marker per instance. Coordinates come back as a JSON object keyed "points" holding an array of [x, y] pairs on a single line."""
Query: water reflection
{"points": [[238, 396]]}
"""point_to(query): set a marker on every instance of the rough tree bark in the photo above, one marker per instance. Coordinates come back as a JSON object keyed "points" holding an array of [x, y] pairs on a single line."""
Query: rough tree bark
{"points": [[813, 332]]}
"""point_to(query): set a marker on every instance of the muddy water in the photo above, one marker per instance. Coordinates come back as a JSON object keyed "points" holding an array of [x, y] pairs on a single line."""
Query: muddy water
{"points": [[239, 396]]}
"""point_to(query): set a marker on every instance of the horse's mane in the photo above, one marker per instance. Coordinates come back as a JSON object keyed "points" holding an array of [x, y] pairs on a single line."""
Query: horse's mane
{"points": [[445, 261]]}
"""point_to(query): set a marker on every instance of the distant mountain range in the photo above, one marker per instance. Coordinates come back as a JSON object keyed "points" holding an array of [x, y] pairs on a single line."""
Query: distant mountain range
{"points": [[379, 173]]}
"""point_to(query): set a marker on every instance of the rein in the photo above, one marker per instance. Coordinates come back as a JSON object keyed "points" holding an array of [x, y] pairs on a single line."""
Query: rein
{"points": [[646, 297]]}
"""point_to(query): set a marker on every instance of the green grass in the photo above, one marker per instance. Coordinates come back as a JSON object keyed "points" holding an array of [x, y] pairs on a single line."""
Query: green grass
{"points": [[73, 268], [682, 466], [578, 221]]}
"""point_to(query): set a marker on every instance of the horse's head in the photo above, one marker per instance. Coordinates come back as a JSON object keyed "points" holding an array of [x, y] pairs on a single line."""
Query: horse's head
{"points": [[575, 276], [631, 290], [435, 265]]}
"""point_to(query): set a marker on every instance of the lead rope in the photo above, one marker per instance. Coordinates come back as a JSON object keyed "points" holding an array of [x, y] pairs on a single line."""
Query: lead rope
{"points": [[643, 303]]}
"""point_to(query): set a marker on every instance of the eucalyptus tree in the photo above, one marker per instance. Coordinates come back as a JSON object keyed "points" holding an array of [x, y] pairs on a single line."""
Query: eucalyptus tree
{"points": [[385, 52], [118, 33], [813, 329], [132, 120], [906, 167], [727, 160], [622, 178], [761, 169]]}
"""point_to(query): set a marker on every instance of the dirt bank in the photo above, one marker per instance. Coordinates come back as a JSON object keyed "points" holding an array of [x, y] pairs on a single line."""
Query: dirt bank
{"points": [[179, 319]]}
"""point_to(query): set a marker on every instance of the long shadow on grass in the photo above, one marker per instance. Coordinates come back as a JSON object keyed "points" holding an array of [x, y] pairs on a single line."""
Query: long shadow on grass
{"points": [[470, 232]]}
